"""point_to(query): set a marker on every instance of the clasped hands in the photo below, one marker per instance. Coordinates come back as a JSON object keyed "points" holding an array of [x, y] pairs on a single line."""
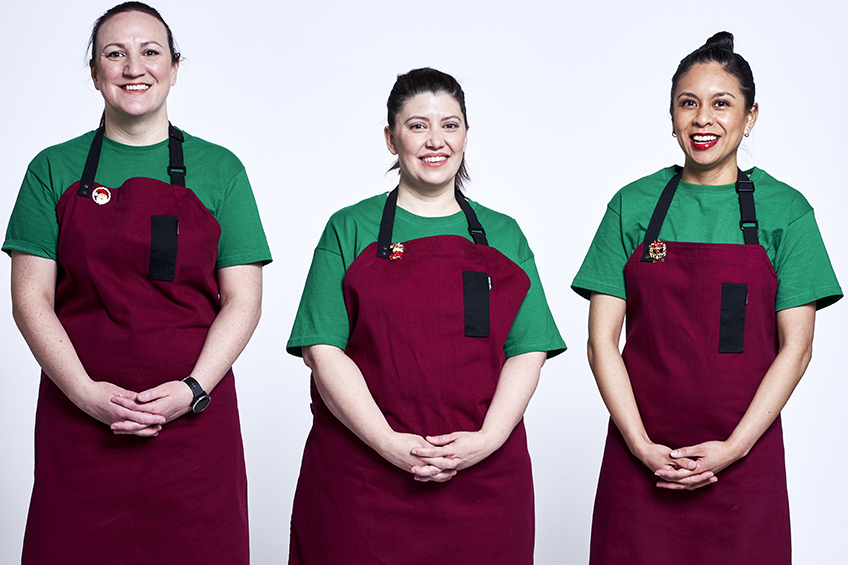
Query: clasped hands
{"points": [[437, 458], [689, 468], [130, 413]]}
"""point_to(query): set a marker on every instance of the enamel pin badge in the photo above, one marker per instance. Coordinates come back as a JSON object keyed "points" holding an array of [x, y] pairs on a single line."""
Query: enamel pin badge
{"points": [[101, 195], [397, 251], [657, 251]]}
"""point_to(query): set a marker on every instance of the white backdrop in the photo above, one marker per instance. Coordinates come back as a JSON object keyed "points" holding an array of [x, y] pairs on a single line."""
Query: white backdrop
{"points": [[567, 102]]}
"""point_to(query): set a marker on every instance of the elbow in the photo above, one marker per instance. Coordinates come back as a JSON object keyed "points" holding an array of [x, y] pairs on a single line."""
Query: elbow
{"points": [[311, 356], [257, 313], [17, 315], [807, 355], [308, 356], [591, 351]]}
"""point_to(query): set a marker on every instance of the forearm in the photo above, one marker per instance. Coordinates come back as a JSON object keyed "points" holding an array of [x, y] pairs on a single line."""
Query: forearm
{"points": [[516, 385], [617, 393], [606, 315], [795, 330], [32, 309], [344, 391], [241, 308]]}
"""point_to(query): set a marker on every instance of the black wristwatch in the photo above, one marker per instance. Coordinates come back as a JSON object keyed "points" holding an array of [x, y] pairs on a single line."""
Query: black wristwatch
{"points": [[201, 399]]}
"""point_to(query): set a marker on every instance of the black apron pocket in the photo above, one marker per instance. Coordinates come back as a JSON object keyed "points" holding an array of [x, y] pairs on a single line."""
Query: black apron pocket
{"points": [[475, 291], [163, 248], [734, 301]]}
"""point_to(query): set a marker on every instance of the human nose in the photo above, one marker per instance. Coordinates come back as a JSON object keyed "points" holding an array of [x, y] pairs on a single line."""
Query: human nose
{"points": [[133, 66], [704, 116], [435, 139]]}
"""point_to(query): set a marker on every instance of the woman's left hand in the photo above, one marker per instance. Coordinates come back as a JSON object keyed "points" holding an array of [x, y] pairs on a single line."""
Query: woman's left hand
{"points": [[457, 450], [710, 457], [171, 400]]}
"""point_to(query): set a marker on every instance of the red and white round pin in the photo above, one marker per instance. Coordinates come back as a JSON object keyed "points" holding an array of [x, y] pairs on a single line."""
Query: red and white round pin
{"points": [[101, 195]]}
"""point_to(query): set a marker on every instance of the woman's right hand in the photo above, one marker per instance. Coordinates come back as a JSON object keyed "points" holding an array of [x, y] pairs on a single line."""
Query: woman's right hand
{"points": [[669, 470], [95, 399], [396, 448]]}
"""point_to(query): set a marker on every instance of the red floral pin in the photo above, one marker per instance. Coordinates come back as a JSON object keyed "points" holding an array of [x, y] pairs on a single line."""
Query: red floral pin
{"points": [[657, 251], [397, 251]]}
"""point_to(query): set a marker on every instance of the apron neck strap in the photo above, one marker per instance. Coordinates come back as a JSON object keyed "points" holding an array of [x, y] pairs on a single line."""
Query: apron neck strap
{"points": [[475, 229], [748, 222], [384, 238], [87, 181], [176, 166]]}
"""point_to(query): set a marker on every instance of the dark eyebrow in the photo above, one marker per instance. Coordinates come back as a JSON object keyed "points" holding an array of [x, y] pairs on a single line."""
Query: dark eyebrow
{"points": [[716, 95], [143, 44]]}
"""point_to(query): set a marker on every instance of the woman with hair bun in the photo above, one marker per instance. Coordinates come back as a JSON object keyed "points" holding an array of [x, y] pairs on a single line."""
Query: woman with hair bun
{"points": [[425, 326], [136, 281], [719, 332]]}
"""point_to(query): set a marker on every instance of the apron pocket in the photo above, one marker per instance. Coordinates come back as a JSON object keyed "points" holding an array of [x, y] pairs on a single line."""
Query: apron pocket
{"points": [[475, 292], [734, 301], [163, 248]]}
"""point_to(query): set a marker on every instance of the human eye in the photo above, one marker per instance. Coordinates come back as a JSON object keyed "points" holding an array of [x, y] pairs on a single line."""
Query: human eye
{"points": [[451, 125], [721, 104], [416, 127], [150, 52], [688, 103], [114, 54]]}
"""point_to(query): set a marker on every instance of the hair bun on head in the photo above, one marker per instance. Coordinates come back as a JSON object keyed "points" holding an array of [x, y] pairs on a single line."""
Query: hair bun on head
{"points": [[718, 49], [721, 40]]}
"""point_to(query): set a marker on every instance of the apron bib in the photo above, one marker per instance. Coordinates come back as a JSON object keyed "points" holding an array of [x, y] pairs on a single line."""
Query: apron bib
{"points": [[428, 323], [701, 334], [136, 293]]}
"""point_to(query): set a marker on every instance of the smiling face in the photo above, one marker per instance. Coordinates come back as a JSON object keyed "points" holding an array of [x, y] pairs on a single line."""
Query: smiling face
{"points": [[132, 67], [709, 119], [429, 139]]}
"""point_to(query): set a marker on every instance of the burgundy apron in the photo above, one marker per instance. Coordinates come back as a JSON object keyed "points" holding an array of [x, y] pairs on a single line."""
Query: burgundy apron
{"points": [[701, 334], [427, 330], [137, 306]]}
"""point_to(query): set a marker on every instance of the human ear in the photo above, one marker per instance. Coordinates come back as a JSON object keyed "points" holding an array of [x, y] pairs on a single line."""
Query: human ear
{"points": [[390, 140], [751, 119], [93, 69]]}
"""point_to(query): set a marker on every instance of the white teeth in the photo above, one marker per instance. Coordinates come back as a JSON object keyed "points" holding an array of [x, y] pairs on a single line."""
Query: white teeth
{"points": [[704, 138], [434, 159], [136, 87]]}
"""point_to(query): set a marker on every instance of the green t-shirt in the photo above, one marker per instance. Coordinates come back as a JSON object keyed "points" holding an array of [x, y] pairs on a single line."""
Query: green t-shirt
{"points": [[322, 315], [213, 173], [710, 214]]}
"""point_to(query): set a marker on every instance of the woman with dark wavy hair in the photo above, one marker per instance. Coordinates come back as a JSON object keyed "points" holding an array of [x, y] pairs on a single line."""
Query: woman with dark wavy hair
{"points": [[719, 331]]}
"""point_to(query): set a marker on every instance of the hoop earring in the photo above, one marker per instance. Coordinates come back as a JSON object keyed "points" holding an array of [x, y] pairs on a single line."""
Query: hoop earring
{"points": [[674, 135]]}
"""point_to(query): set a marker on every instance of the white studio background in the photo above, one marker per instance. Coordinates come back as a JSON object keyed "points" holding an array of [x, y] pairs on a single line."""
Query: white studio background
{"points": [[567, 103]]}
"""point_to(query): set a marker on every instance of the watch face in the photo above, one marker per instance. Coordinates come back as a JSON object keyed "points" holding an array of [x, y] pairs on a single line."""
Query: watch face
{"points": [[200, 404]]}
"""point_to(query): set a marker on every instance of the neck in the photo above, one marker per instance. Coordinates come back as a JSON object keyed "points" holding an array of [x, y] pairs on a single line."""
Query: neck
{"points": [[430, 204], [135, 131], [724, 173]]}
